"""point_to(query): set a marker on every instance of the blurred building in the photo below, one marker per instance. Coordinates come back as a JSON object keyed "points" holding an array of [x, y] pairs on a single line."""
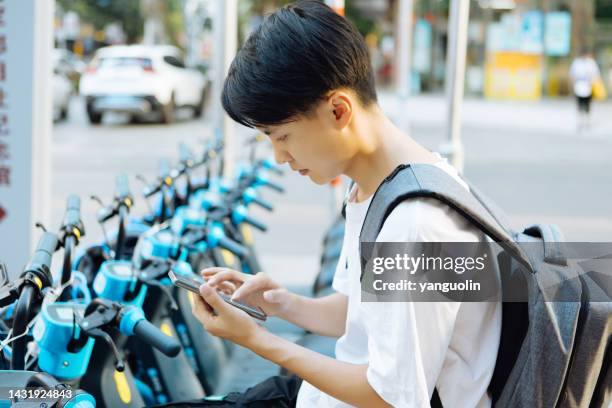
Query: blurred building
{"points": [[518, 49]]}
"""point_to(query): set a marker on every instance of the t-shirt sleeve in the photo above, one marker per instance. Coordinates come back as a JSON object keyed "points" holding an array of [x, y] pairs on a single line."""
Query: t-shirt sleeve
{"points": [[408, 341]]}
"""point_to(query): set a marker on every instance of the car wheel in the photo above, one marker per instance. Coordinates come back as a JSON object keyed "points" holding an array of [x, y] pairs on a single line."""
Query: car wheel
{"points": [[198, 110], [135, 119], [168, 111], [95, 118], [63, 113]]}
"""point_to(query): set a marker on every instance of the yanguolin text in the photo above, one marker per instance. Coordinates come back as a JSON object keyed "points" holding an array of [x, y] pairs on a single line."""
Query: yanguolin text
{"points": [[424, 287]]}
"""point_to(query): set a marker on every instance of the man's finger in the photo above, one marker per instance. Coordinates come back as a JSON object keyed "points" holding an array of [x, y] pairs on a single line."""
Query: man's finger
{"points": [[211, 297], [212, 270], [275, 295], [227, 286], [226, 275], [252, 285]]}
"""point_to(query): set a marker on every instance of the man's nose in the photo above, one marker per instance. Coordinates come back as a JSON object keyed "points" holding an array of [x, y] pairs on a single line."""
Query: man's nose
{"points": [[281, 155]]}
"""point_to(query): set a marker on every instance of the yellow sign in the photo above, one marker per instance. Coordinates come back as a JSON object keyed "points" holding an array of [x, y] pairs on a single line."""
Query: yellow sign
{"points": [[513, 75]]}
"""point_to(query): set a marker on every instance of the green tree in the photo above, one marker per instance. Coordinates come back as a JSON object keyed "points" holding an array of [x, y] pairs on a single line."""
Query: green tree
{"points": [[364, 24], [603, 9], [102, 12]]}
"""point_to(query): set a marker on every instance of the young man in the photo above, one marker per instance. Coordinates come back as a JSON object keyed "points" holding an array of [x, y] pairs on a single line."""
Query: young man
{"points": [[304, 78]]}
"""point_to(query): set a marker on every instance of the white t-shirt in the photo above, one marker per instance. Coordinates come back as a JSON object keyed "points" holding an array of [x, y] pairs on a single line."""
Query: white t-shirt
{"points": [[584, 72], [411, 348]]}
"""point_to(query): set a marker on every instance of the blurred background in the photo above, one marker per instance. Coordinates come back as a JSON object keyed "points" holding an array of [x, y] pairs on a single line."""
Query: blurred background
{"points": [[526, 42], [522, 139]]}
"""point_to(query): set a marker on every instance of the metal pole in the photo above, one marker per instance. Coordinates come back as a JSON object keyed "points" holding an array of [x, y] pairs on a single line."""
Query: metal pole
{"points": [[403, 59], [225, 28], [404, 40], [455, 78], [217, 11]]}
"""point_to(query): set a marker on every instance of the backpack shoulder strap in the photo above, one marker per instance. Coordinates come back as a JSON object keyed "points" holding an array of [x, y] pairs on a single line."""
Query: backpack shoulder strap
{"points": [[428, 181]]}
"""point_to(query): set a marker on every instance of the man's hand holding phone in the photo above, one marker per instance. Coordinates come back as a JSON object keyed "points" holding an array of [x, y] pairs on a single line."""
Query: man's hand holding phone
{"points": [[230, 322], [256, 290], [221, 319]]}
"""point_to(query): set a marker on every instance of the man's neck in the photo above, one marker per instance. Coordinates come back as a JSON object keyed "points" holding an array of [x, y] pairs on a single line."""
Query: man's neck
{"points": [[382, 147]]}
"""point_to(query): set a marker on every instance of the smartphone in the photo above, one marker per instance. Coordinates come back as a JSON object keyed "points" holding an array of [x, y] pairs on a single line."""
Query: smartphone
{"points": [[194, 286]]}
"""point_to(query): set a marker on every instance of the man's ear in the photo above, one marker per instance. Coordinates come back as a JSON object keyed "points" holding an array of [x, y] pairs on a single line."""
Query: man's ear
{"points": [[341, 105]]}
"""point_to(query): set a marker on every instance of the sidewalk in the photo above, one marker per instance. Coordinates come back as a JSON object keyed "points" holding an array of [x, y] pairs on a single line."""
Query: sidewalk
{"points": [[548, 115]]}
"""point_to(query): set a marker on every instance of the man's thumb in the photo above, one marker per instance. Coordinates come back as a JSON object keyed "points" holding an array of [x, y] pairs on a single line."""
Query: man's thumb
{"points": [[274, 295]]}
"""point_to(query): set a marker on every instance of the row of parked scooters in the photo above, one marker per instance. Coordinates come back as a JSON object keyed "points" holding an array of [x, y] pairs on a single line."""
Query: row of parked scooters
{"points": [[107, 328]]}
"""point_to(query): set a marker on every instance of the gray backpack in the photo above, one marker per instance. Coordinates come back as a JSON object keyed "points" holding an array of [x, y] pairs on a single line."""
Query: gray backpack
{"points": [[551, 354]]}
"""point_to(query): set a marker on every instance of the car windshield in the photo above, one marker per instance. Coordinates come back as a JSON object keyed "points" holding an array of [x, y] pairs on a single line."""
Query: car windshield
{"points": [[120, 62]]}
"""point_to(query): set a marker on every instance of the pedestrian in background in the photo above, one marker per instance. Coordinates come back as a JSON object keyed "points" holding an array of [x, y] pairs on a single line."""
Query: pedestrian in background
{"points": [[585, 74]]}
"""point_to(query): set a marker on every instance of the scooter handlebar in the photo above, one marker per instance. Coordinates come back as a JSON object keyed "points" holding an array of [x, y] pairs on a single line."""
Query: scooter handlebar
{"points": [[184, 153], [150, 334], [270, 166], [122, 187], [274, 186], [47, 244], [233, 247], [72, 216], [255, 223], [263, 203]]}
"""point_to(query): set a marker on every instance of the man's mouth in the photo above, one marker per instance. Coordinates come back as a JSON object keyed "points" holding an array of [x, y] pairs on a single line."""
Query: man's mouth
{"points": [[304, 172]]}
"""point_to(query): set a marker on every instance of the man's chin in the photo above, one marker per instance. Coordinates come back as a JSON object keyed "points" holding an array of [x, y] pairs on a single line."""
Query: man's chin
{"points": [[321, 181]]}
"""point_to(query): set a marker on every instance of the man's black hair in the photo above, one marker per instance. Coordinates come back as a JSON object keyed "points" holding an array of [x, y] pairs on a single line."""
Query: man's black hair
{"points": [[289, 63]]}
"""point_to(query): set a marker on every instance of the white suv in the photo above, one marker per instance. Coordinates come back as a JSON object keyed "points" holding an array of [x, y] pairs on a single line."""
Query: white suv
{"points": [[140, 79]]}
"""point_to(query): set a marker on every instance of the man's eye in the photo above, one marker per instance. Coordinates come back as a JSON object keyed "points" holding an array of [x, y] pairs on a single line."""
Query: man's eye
{"points": [[282, 138]]}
